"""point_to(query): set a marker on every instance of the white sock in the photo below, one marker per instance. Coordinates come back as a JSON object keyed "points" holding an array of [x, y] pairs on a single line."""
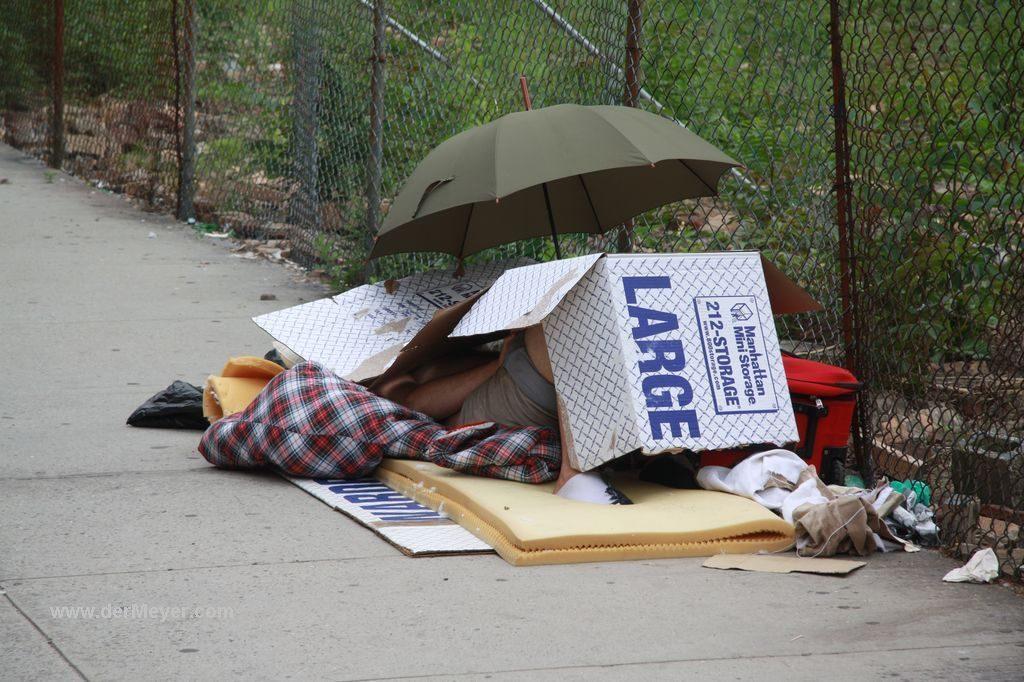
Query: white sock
{"points": [[587, 487]]}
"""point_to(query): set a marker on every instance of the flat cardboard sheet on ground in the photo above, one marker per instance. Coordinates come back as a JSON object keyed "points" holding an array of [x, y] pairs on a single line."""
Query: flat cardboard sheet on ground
{"points": [[790, 563]]}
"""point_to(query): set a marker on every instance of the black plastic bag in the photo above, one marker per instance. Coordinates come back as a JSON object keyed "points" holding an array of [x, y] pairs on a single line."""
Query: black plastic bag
{"points": [[179, 406], [275, 357]]}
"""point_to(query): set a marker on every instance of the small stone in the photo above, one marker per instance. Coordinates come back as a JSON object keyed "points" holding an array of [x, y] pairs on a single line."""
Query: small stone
{"points": [[898, 429], [937, 421], [268, 297]]}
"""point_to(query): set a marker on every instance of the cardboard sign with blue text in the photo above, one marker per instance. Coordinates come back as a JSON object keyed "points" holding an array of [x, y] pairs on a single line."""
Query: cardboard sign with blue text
{"points": [[414, 529]]}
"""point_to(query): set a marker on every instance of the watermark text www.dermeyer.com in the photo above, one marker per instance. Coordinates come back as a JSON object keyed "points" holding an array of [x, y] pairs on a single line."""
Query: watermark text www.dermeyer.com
{"points": [[141, 612]]}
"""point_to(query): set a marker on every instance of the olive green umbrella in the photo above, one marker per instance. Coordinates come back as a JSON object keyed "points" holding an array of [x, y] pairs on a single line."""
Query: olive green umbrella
{"points": [[559, 169]]}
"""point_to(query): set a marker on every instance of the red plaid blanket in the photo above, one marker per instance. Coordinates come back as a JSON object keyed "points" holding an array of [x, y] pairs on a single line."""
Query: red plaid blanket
{"points": [[309, 422]]}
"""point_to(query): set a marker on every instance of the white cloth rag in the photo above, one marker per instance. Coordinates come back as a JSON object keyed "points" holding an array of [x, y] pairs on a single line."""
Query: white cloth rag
{"points": [[983, 567], [751, 477]]}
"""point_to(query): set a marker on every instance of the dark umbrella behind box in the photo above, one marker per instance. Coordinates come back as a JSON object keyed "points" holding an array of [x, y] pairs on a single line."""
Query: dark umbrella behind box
{"points": [[560, 169]]}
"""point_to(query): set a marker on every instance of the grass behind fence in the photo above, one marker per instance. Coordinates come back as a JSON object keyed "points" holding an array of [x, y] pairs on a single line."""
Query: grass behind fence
{"points": [[935, 116]]}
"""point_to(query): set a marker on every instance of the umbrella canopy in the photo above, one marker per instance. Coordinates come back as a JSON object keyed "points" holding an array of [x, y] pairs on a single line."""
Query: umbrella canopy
{"points": [[560, 169]]}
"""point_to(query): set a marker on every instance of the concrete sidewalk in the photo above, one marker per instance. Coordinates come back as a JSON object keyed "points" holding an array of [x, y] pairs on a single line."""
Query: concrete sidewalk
{"points": [[97, 315]]}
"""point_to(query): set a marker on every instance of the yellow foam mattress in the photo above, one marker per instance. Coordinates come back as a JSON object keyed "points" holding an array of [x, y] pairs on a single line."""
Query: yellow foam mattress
{"points": [[528, 525]]}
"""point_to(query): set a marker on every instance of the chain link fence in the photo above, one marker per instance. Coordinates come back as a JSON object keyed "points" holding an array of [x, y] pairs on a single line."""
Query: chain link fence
{"points": [[937, 176], [881, 143]]}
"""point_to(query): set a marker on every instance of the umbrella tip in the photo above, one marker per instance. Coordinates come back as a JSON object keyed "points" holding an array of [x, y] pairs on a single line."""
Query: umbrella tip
{"points": [[460, 270], [527, 100]]}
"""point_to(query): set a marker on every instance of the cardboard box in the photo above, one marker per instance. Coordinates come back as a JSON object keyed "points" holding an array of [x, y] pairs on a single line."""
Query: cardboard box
{"points": [[649, 352]]}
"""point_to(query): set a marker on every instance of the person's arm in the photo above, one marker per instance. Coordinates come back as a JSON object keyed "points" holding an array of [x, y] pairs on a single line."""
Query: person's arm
{"points": [[443, 397]]}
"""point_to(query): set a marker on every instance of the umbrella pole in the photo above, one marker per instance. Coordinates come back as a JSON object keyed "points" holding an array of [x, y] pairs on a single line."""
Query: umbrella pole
{"points": [[528, 103], [551, 221]]}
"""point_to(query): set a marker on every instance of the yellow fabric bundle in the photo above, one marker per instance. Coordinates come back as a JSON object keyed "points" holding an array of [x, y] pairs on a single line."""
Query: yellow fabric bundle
{"points": [[237, 385]]}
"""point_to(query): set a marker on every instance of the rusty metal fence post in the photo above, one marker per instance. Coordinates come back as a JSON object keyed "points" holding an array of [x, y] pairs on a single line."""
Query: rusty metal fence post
{"points": [[375, 160], [187, 102], [634, 27], [846, 230], [57, 95], [306, 53], [842, 184]]}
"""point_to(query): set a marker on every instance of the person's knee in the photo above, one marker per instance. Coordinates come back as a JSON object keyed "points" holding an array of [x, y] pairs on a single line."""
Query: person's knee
{"points": [[415, 401], [396, 389]]}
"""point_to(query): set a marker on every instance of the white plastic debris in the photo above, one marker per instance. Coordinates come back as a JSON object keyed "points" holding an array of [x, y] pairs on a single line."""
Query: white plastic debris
{"points": [[152, 235], [983, 567]]}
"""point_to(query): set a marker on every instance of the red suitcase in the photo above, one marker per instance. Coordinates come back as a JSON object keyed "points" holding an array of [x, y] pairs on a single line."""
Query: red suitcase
{"points": [[824, 397]]}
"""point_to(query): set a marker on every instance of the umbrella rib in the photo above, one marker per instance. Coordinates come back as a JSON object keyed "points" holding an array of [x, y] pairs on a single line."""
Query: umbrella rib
{"points": [[618, 132], [465, 233], [583, 182], [711, 190], [551, 220]]}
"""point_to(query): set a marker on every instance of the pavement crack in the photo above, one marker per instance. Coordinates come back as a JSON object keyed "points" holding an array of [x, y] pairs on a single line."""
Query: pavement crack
{"points": [[12, 578], [104, 474], [669, 661], [49, 640]]}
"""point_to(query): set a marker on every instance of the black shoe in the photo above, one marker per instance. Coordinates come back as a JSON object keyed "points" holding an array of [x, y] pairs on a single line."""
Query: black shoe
{"points": [[616, 495], [674, 471]]}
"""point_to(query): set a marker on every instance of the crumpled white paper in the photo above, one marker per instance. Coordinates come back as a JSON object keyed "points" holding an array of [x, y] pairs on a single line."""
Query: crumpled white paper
{"points": [[983, 567]]}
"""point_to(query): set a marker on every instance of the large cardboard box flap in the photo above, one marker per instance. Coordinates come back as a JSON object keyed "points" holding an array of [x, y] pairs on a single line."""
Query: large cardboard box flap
{"points": [[359, 333], [524, 296]]}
